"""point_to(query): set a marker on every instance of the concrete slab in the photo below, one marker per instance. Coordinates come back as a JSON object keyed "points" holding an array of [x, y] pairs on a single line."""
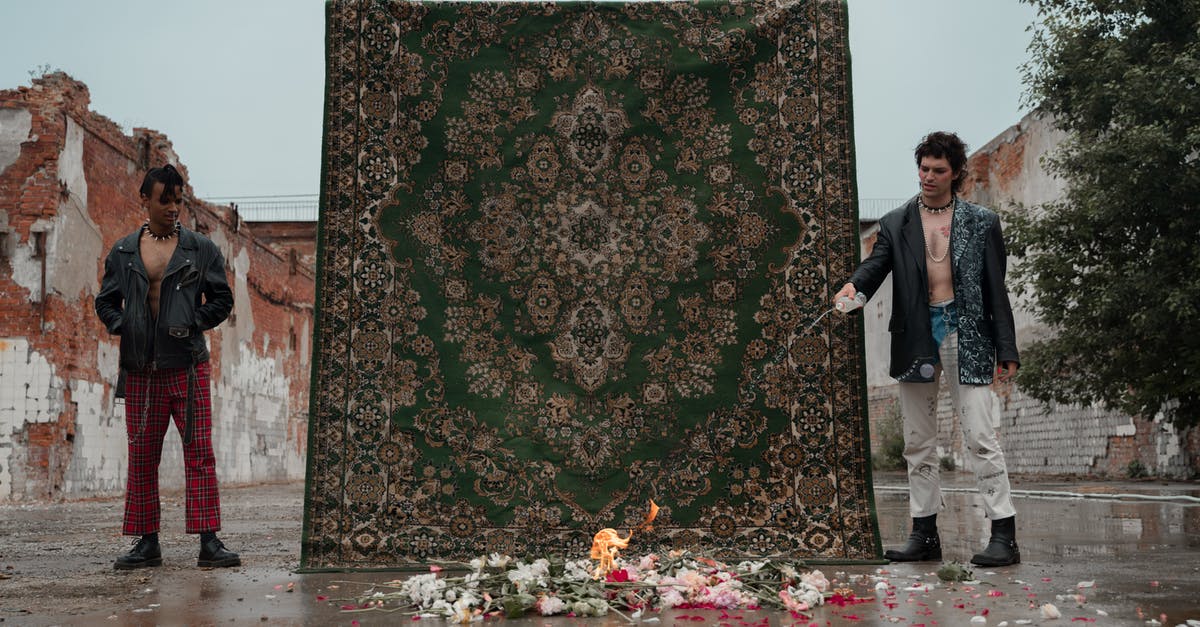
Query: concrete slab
{"points": [[1140, 554]]}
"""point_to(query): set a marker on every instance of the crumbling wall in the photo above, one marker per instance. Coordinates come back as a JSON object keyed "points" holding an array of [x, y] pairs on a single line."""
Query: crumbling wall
{"points": [[68, 189]]}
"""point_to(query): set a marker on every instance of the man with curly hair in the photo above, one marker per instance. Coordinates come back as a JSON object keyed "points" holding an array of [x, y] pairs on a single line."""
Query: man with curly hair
{"points": [[950, 315]]}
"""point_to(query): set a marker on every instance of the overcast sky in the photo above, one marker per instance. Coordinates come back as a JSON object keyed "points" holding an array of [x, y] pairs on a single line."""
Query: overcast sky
{"points": [[238, 85]]}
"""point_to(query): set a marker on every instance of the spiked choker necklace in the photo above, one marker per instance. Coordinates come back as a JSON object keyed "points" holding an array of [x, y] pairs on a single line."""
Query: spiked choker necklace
{"points": [[156, 236], [935, 210]]}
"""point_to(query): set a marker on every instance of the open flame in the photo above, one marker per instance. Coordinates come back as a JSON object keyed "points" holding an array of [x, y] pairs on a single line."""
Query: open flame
{"points": [[607, 544]]}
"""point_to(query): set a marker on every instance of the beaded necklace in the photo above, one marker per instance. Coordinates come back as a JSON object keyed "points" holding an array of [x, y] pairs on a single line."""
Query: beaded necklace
{"points": [[936, 211]]}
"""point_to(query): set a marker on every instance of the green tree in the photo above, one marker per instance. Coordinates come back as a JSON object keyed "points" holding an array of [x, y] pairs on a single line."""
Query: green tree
{"points": [[1114, 267]]}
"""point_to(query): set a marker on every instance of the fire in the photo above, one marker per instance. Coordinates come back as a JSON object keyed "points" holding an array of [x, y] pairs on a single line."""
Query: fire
{"points": [[607, 544]]}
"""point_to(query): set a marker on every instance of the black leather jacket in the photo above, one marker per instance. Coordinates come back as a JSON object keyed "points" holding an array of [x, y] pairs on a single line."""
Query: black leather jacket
{"points": [[986, 332], [193, 298]]}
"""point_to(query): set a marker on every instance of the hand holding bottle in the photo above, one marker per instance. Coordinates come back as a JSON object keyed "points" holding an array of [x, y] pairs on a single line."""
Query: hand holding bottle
{"points": [[849, 298]]}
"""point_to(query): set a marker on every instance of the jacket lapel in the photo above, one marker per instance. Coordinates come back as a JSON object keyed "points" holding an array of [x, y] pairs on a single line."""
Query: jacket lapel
{"points": [[131, 250], [960, 233], [914, 239], [184, 255]]}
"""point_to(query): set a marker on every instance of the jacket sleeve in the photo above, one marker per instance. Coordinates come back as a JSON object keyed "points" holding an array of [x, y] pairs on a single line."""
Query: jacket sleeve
{"points": [[875, 268], [218, 298], [110, 302], [995, 294]]}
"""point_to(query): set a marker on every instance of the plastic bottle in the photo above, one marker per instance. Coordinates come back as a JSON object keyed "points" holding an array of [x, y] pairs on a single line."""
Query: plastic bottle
{"points": [[846, 305]]}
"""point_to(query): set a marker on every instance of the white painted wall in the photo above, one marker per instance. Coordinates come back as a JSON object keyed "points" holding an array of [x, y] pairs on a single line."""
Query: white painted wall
{"points": [[75, 241], [30, 392], [100, 456], [15, 125]]}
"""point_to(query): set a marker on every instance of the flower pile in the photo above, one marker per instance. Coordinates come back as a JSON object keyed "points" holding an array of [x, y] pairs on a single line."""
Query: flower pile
{"points": [[500, 585]]}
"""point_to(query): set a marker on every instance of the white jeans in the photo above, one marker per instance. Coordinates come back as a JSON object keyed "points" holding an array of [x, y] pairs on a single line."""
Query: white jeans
{"points": [[973, 405]]}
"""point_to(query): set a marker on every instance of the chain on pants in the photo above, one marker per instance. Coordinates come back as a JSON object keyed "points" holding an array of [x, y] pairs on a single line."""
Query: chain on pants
{"points": [[152, 399], [974, 407]]}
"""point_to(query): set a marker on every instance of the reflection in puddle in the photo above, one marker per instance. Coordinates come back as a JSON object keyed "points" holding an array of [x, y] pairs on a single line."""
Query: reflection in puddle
{"points": [[1054, 528]]}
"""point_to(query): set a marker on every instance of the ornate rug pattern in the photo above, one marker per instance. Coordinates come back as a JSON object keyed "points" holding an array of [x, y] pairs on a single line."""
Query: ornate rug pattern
{"points": [[568, 254]]}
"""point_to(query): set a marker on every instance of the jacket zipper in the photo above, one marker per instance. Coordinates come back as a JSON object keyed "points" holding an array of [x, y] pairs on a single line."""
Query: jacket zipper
{"points": [[139, 270], [164, 297]]}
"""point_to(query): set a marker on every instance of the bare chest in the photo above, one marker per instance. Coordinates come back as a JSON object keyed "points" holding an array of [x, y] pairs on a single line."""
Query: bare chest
{"points": [[937, 255], [937, 236], [155, 256]]}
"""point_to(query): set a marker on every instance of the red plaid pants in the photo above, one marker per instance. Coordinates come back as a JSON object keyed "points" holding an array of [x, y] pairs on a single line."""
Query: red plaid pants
{"points": [[152, 398]]}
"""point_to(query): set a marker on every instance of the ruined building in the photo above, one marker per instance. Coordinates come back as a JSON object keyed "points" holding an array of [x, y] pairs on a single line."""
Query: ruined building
{"points": [[68, 190]]}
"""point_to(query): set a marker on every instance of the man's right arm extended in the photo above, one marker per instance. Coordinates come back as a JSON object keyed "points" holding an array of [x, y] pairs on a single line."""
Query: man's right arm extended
{"points": [[872, 271]]}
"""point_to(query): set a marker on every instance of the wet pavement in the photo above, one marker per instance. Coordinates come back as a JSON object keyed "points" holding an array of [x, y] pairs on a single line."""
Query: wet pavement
{"points": [[1103, 553]]}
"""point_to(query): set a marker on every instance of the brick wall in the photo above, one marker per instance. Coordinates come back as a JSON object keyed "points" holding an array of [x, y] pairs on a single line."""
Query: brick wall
{"points": [[68, 189], [1037, 439], [881, 401], [295, 240]]}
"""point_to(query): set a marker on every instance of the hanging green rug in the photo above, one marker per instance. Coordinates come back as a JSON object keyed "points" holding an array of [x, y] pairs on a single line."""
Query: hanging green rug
{"points": [[568, 256]]}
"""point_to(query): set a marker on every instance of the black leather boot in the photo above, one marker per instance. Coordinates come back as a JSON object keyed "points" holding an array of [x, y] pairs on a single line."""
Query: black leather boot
{"points": [[214, 555], [145, 552], [923, 545], [1002, 547]]}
